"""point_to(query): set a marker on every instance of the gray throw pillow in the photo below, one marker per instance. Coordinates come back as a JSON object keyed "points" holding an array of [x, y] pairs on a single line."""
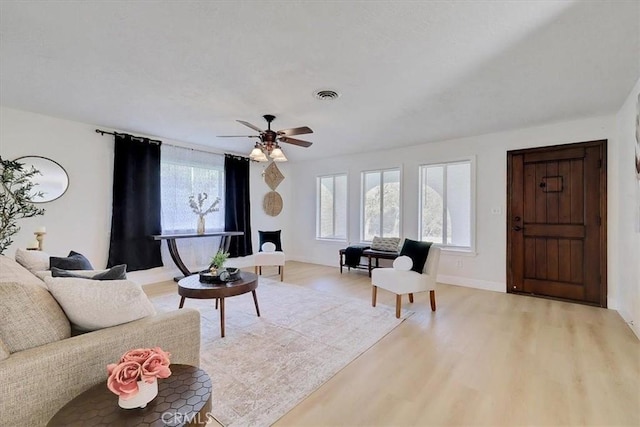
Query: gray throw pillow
{"points": [[117, 272], [75, 261], [386, 244]]}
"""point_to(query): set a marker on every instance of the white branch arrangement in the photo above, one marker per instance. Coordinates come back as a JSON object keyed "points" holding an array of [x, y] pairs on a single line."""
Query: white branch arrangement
{"points": [[197, 207]]}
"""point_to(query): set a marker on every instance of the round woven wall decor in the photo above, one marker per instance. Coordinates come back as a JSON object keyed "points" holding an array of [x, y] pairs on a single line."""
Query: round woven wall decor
{"points": [[272, 203]]}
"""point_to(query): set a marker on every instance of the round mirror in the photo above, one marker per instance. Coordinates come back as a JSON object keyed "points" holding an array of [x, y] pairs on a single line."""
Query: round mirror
{"points": [[52, 181]]}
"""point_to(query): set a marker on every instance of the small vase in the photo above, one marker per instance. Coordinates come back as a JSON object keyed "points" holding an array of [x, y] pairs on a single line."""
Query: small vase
{"points": [[146, 393], [200, 224]]}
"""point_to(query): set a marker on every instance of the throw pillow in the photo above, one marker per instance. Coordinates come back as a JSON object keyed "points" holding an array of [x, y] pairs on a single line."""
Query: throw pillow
{"points": [[74, 261], [417, 251], [385, 244], [402, 263], [32, 260], [270, 236], [268, 247], [117, 272], [90, 305]]}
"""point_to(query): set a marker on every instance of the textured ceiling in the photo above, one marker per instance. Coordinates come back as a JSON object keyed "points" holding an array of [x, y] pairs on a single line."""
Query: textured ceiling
{"points": [[409, 72]]}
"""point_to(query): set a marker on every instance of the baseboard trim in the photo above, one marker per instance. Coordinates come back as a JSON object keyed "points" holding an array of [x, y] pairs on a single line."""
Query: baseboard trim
{"points": [[630, 322], [472, 283]]}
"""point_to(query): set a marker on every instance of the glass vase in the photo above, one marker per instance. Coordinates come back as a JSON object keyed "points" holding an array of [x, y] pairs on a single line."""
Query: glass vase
{"points": [[200, 224]]}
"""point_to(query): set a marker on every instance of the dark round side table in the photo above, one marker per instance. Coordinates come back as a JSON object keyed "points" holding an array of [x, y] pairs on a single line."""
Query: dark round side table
{"points": [[184, 399], [191, 287]]}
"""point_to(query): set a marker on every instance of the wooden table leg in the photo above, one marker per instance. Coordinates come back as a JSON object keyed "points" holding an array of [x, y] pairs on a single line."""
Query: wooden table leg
{"points": [[181, 302], [216, 303], [255, 301], [369, 265], [398, 304], [374, 294], [410, 297], [221, 317]]}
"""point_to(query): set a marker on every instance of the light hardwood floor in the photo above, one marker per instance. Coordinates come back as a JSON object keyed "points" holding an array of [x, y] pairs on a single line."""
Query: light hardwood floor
{"points": [[483, 358]]}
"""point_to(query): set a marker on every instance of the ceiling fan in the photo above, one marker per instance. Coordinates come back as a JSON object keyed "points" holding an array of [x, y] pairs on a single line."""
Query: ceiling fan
{"points": [[270, 139]]}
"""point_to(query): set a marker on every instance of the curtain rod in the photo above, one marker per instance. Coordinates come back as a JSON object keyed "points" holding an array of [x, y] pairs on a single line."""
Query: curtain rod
{"points": [[156, 141], [104, 132]]}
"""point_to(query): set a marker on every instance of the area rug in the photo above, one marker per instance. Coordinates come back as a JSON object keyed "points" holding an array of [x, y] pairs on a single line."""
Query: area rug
{"points": [[267, 365]]}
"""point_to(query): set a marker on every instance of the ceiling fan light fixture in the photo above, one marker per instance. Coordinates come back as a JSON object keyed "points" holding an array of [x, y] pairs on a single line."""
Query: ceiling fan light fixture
{"points": [[262, 158], [256, 153], [282, 158], [276, 152]]}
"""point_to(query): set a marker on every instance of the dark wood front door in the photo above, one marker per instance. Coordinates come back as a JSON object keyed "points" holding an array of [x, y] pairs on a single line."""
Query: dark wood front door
{"points": [[556, 219]]}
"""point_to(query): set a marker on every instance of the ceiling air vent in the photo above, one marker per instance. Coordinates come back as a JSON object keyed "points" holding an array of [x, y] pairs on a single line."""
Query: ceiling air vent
{"points": [[326, 94]]}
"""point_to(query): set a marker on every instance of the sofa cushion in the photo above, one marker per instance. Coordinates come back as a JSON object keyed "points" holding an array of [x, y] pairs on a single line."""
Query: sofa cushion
{"points": [[74, 261], [94, 304], [31, 317], [4, 350], [32, 260], [11, 271]]}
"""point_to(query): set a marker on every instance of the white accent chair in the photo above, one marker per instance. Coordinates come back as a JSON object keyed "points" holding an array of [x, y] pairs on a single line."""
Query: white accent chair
{"points": [[408, 282], [269, 257]]}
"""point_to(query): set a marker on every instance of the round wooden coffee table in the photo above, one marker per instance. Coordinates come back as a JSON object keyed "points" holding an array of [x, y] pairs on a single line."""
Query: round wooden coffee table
{"points": [[183, 399], [191, 287]]}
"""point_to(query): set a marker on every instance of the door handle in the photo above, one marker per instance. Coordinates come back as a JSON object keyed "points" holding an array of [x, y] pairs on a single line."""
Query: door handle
{"points": [[518, 228]]}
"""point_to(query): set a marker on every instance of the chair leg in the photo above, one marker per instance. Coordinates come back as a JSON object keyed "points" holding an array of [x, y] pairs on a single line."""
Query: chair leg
{"points": [[410, 297], [374, 295], [432, 297], [255, 269], [281, 268], [398, 304], [260, 270]]}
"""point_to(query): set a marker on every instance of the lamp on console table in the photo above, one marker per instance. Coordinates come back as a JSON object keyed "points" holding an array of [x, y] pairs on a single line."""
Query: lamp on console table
{"points": [[40, 232]]}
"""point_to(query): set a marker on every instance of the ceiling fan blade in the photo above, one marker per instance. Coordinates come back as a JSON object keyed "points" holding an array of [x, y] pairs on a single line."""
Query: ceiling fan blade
{"points": [[295, 131], [238, 136], [254, 127], [295, 141]]}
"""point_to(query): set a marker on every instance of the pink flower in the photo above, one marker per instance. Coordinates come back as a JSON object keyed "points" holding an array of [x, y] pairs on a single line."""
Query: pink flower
{"points": [[138, 355], [156, 366], [144, 364], [123, 378]]}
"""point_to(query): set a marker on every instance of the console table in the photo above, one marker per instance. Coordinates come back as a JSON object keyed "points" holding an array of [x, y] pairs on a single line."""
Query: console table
{"points": [[225, 241]]}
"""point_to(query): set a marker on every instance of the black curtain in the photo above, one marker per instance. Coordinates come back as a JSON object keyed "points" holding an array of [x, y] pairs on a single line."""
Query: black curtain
{"points": [[237, 215], [136, 204]]}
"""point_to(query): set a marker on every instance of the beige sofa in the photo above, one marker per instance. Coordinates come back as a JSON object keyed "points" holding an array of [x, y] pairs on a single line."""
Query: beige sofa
{"points": [[42, 367]]}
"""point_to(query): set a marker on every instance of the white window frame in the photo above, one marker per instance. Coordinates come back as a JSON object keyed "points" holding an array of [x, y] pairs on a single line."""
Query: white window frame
{"points": [[470, 250], [362, 202], [333, 207]]}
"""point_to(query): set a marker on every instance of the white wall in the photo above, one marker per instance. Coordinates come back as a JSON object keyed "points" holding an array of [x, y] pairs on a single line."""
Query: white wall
{"points": [[487, 268], [624, 254], [81, 219]]}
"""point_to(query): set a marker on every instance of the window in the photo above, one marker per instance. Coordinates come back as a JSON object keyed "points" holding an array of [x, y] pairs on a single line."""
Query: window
{"points": [[331, 218], [380, 204], [183, 173], [446, 207]]}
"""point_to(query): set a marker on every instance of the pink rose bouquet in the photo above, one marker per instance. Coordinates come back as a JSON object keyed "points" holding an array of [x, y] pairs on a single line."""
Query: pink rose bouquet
{"points": [[141, 364]]}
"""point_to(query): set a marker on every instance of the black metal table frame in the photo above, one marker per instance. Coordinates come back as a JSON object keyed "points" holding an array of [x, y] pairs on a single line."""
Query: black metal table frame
{"points": [[225, 241]]}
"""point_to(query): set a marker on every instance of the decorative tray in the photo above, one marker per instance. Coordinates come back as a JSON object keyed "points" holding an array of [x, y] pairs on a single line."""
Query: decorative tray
{"points": [[223, 276]]}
